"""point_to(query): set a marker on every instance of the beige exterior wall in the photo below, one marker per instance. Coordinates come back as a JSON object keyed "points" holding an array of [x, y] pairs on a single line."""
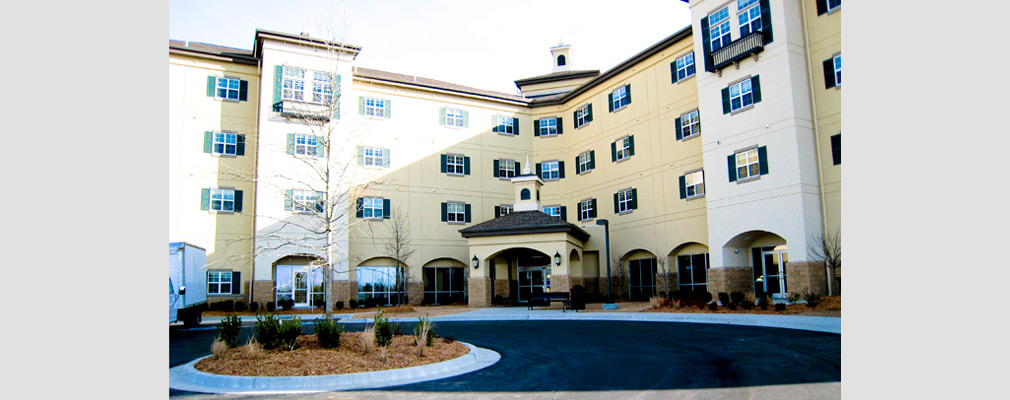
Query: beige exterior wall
{"points": [[824, 42], [225, 236]]}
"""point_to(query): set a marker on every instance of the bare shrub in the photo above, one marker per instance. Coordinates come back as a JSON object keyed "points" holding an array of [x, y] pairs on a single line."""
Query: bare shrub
{"points": [[218, 348]]}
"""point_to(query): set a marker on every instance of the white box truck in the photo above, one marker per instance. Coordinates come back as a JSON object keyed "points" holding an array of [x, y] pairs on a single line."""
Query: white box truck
{"points": [[187, 283]]}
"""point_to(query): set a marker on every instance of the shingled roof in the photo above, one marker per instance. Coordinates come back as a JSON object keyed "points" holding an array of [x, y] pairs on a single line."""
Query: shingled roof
{"points": [[237, 55], [431, 83], [523, 222]]}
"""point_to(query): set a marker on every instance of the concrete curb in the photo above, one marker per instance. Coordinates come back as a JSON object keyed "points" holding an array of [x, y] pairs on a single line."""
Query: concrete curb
{"points": [[186, 377]]}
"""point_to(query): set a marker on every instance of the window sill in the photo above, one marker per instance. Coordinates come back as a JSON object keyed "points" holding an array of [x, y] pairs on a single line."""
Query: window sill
{"points": [[748, 179], [836, 9], [626, 212], [455, 174], [695, 197], [223, 155], [740, 110], [455, 223], [624, 107], [221, 212], [506, 178], [507, 134], [584, 172], [620, 160], [454, 127], [224, 100], [686, 138], [687, 78], [549, 136], [582, 126]]}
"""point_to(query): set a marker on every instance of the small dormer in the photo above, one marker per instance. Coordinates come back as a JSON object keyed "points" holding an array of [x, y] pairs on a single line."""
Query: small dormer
{"points": [[562, 57]]}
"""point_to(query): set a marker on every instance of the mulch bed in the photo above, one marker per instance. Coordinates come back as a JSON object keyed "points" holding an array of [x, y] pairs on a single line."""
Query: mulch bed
{"points": [[310, 359], [311, 310], [829, 306]]}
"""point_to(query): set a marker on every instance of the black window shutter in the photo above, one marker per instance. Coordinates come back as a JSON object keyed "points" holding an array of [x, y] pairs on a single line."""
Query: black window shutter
{"points": [[497, 211], [610, 101], [211, 86], [517, 169], [564, 213], [238, 201], [575, 118], [494, 168], [676, 125], [631, 145], [445, 212], [616, 208], [755, 83], [385, 208], [536, 128], [725, 100], [359, 211], [515, 126], [592, 159], [613, 151], [590, 115], [673, 71], [240, 145], [538, 170], [236, 282], [443, 163], [627, 93], [466, 165], [766, 21], [763, 160], [320, 202], [560, 126], [829, 73], [683, 187], [634, 199], [706, 44], [822, 6], [731, 163], [836, 149], [466, 213], [243, 90], [561, 170], [592, 211], [578, 166]]}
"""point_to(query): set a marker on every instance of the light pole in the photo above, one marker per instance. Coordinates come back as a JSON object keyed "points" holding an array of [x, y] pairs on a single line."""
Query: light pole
{"points": [[606, 234]]}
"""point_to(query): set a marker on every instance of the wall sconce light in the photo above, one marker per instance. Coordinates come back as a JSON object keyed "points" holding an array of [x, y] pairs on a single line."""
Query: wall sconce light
{"points": [[557, 258], [476, 262], [736, 251]]}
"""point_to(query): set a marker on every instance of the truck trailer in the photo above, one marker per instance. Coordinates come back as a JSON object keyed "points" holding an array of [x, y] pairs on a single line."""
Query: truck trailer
{"points": [[187, 283]]}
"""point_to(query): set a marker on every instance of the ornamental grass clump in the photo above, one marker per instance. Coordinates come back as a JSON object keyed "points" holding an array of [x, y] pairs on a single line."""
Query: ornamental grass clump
{"points": [[424, 335], [227, 331], [328, 332], [252, 349], [655, 302], [218, 348], [367, 339]]}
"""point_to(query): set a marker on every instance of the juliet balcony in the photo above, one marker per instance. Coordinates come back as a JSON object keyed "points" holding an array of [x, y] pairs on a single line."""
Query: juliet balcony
{"points": [[739, 49], [303, 110]]}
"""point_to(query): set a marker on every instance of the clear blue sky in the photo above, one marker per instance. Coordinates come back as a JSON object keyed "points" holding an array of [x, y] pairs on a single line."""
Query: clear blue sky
{"points": [[484, 44]]}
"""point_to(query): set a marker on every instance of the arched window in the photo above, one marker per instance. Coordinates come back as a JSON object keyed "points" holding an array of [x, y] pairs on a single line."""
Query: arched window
{"points": [[524, 194], [561, 60]]}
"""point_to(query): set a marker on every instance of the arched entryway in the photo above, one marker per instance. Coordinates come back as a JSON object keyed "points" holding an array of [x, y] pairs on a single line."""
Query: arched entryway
{"points": [[641, 276], [444, 282], [768, 257], [380, 282], [299, 278], [519, 274]]}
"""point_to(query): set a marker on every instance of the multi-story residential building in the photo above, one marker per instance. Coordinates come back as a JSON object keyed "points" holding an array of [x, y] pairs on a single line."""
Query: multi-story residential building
{"points": [[713, 156]]}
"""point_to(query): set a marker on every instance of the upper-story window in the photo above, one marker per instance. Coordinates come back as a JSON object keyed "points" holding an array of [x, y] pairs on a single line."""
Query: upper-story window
{"points": [[227, 88], [304, 200], [454, 164], [587, 209], [550, 170], [749, 16], [548, 126], [623, 148], [222, 199], [683, 67], [747, 164], [583, 115], [294, 84], [624, 200], [374, 107], [504, 210], [692, 185], [454, 117], [506, 169], [506, 125], [718, 26], [305, 145], [585, 162], [322, 88], [554, 211], [741, 95], [455, 212], [225, 143], [836, 63], [373, 156], [689, 125], [371, 207], [620, 97], [827, 6]]}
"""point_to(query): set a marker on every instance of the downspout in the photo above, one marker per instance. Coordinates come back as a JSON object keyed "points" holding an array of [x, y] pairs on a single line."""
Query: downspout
{"points": [[255, 171], [817, 137]]}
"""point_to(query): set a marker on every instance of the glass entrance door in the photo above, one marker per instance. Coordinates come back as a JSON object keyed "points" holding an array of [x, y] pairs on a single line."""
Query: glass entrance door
{"points": [[533, 281], [770, 271], [298, 283], [301, 279]]}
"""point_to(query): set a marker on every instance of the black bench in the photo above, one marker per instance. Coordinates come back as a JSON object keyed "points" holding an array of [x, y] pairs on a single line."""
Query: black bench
{"points": [[545, 299]]}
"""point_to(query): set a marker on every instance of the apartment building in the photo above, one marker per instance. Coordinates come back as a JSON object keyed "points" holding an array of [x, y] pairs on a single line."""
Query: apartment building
{"points": [[500, 196]]}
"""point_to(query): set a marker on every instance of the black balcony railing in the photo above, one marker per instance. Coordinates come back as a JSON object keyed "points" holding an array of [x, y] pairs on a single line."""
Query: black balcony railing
{"points": [[302, 109], [738, 50]]}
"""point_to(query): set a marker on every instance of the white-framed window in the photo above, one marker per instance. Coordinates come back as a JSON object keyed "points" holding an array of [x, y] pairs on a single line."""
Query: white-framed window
{"points": [[227, 88], [694, 184], [585, 162], [747, 164], [454, 117], [293, 87], [549, 170], [685, 66], [371, 207], [374, 107], [749, 16], [833, 4], [625, 200], [322, 88], [304, 200], [623, 148], [218, 282], [225, 143], [554, 211], [504, 210], [506, 169], [305, 145], [373, 156], [548, 126], [222, 199], [455, 212], [505, 124], [690, 124], [620, 98], [587, 209], [718, 28], [837, 62], [454, 164], [583, 115], [741, 95]]}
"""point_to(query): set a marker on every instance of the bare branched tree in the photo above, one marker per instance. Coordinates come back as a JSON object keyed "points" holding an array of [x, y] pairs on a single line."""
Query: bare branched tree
{"points": [[619, 277], [398, 247], [666, 274], [827, 250]]}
